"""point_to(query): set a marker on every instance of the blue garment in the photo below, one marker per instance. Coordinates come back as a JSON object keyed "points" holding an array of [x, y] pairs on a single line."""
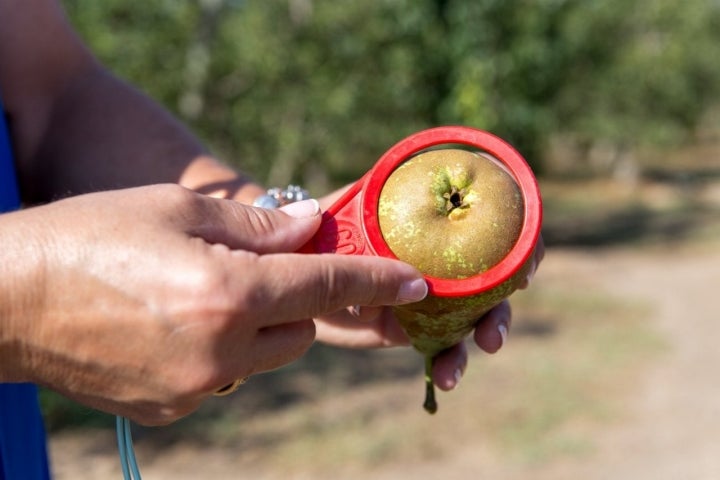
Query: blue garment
{"points": [[23, 452]]}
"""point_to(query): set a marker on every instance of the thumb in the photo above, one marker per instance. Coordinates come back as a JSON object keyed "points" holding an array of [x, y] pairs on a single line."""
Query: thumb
{"points": [[260, 230]]}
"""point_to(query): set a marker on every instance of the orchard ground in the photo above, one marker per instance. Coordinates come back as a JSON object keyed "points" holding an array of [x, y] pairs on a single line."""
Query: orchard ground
{"points": [[610, 371]]}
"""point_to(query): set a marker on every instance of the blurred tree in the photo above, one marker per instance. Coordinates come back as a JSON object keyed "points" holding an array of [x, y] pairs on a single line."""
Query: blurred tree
{"points": [[141, 41], [315, 90], [646, 72], [322, 88], [507, 68]]}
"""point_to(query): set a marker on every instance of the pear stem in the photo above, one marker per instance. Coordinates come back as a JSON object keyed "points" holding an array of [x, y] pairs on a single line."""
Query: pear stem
{"points": [[430, 404]]}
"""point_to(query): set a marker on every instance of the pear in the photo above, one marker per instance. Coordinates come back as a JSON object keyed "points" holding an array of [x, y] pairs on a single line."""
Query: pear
{"points": [[452, 214]]}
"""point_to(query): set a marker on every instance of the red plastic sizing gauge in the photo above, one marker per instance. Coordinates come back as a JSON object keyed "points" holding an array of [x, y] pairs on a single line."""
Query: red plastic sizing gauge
{"points": [[350, 226]]}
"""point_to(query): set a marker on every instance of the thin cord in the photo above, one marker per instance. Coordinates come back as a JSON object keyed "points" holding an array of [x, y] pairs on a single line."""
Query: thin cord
{"points": [[128, 462], [120, 431], [131, 451]]}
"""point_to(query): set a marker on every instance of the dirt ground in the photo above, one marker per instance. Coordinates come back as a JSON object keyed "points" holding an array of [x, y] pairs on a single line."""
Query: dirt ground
{"points": [[671, 418], [673, 430]]}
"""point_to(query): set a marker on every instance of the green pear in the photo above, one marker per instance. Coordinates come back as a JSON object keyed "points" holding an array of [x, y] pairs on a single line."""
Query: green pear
{"points": [[452, 214]]}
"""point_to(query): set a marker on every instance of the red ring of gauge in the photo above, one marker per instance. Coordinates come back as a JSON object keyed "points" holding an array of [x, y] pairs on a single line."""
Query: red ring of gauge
{"points": [[487, 142]]}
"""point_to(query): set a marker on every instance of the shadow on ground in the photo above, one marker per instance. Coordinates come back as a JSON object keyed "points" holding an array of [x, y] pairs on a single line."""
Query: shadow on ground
{"points": [[599, 225]]}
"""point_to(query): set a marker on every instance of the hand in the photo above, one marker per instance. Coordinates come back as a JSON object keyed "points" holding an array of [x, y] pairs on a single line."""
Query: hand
{"points": [[143, 302], [376, 327]]}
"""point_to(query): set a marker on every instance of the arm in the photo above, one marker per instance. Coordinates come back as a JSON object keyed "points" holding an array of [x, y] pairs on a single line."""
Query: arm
{"points": [[77, 128], [150, 328]]}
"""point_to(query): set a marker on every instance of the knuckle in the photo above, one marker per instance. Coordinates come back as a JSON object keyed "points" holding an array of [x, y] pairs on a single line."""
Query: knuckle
{"points": [[339, 283], [203, 292], [251, 299], [347, 286], [215, 294], [305, 335], [176, 196], [167, 414], [183, 205], [260, 221], [156, 413], [298, 338]]}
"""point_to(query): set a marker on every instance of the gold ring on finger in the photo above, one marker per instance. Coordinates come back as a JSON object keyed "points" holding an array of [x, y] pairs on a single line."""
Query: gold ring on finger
{"points": [[230, 387]]}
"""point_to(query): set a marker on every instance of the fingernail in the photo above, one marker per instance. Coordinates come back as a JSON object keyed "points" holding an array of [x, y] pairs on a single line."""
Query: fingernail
{"points": [[458, 376], [412, 291], [302, 209], [503, 331]]}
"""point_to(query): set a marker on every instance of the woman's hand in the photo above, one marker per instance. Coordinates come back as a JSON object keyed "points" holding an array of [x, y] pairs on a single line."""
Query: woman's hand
{"points": [[143, 302]]}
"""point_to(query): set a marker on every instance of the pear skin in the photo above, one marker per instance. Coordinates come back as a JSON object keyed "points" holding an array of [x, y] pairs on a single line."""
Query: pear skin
{"points": [[452, 214], [437, 323]]}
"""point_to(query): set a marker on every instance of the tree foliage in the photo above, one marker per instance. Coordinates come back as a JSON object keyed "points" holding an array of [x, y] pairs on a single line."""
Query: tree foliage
{"points": [[315, 90]]}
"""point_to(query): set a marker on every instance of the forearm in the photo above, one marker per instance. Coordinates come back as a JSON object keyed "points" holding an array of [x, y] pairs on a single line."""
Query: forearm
{"points": [[103, 134], [207, 175], [76, 128], [21, 286]]}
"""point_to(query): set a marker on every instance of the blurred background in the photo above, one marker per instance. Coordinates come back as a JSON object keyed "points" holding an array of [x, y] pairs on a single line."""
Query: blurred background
{"points": [[610, 371]]}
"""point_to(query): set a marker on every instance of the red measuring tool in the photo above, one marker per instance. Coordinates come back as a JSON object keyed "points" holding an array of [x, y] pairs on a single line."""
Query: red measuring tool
{"points": [[350, 226]]}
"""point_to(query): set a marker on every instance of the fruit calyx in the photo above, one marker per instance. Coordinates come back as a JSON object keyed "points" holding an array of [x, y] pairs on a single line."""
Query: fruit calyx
{"points": [[455, 198]]}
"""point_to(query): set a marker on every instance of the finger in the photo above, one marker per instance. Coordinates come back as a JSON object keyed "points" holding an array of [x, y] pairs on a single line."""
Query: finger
{"points": [[540, 250], [492, 329], [258, 230], [292, 286], [448, 367], [280, 344], [375, 327], [270, 348], [537, 257]]}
